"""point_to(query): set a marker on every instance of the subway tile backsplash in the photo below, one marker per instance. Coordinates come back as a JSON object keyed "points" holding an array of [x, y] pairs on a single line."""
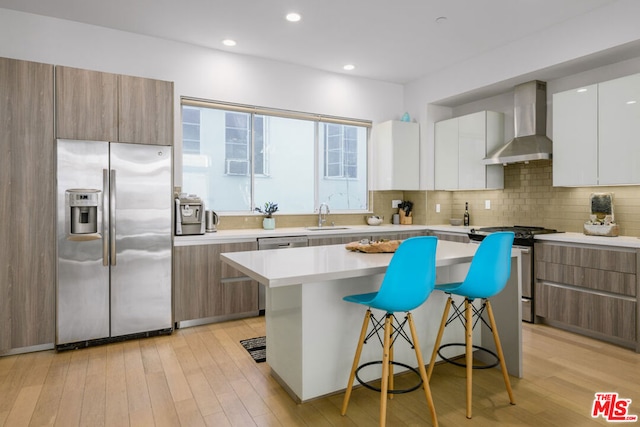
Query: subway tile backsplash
{"points": [[529, 198]]}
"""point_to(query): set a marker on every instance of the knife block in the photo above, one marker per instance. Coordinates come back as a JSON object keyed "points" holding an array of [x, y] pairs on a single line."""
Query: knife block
{"points": [[404, 219]]}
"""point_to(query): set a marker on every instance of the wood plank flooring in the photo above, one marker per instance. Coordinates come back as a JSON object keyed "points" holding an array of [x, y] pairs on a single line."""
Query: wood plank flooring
{"points": [[201, 376]]}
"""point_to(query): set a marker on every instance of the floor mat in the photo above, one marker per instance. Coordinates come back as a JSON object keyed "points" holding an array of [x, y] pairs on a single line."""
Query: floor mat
{"points": [[257, 348]]}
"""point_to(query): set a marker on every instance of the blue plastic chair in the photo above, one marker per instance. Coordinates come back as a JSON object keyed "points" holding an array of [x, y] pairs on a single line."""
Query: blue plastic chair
{"points": [[407, 284], [487, 276]]}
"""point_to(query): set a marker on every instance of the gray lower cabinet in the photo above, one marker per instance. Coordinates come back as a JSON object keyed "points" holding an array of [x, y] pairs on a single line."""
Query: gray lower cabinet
{"points": [[587, 289], [452, 237], [207, 290], [204, 287], [402, 235], [343, 239], [27, 206], [337, 239]]}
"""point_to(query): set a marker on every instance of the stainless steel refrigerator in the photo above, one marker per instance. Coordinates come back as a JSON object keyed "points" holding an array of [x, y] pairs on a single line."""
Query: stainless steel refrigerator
{"points": [[114, 221]]}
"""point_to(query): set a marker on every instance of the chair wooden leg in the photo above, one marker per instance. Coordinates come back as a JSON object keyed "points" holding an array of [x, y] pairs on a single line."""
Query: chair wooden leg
{"points": [[503, 365], [469, 351], [423, 372], [445, 315], [391, 384], [356, 361], [385, 370]]}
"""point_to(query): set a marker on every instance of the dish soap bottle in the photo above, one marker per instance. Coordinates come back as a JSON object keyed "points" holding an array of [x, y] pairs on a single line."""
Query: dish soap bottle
{"points": [[466, 214]]}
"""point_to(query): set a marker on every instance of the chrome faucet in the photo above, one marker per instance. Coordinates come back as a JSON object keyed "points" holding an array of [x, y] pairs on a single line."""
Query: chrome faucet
{"points": [[322, 218]]}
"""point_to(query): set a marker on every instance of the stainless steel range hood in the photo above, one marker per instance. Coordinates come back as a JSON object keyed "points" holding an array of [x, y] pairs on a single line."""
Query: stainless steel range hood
{"points": [[530, 121]]}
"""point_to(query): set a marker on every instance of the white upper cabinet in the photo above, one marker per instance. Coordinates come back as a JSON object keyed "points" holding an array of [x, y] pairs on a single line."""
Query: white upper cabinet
{"points": [[596, 134], [575, 137], [461, 144], [446, 154], [396, 156], [619, 131]]}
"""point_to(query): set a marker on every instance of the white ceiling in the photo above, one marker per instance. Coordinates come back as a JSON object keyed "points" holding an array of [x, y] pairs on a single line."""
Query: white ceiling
{"points": [[390, 40]]}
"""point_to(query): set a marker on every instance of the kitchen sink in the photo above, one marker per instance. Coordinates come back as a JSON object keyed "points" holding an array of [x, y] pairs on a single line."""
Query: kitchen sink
{"points": [[326, 228]]}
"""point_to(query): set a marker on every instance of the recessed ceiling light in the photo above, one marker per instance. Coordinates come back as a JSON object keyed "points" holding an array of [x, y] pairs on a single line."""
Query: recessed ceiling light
{"points": [[631, 102], [441, 19], [228, 42], [582, 89], [293, 17], [349, 67]]}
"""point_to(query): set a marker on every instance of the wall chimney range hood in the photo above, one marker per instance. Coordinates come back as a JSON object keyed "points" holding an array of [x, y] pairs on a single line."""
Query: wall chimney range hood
{"points": [[530, 126]]}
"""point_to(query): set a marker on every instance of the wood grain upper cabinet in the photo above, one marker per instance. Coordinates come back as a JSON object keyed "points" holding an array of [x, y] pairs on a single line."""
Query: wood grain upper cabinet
{"points": [[97, 106], [86, 104], [146, 111], [27, 205]]}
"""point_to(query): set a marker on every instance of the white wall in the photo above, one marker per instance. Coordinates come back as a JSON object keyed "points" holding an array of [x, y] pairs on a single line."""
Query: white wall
{"points": [[197, 72], [603, 29]]}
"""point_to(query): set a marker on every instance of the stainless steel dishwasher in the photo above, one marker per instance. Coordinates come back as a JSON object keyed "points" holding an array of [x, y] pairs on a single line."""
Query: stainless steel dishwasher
{"points": [[277, 243]]}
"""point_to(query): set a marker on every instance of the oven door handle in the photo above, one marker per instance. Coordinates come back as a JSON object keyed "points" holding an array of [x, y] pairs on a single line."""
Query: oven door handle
{"points": [[524, 249]]}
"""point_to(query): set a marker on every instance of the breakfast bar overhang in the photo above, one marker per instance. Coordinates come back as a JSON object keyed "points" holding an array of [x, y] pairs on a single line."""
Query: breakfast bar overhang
{"points": [[312, 332]]}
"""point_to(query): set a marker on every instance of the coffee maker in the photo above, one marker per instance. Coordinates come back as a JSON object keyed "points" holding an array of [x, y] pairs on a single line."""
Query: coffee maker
{"points": [[190, 218]]}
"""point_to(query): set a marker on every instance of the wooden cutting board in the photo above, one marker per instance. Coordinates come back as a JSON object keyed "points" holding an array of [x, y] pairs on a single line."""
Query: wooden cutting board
{"points": [[383, 246]]}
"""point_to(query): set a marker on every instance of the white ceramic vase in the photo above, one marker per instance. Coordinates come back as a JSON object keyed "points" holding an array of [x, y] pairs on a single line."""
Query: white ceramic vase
{"points": [[269, 223]]}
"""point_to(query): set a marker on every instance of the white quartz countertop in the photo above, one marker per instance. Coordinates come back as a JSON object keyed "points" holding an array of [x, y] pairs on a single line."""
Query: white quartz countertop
{"points": [[619, 241], [227, 236], [320, 263], [224, 236]]}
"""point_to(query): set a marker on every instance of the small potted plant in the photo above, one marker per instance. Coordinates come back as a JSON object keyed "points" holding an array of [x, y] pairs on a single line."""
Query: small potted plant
{"points": [[269, 222]]}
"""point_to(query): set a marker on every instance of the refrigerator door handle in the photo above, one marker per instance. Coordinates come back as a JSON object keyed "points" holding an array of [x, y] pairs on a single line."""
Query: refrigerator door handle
{"points": [[112, 216], [105, 218]]}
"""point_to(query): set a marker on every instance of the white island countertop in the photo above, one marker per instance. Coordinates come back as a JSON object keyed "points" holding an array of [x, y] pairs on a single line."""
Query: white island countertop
{"points": [[318, 263]]}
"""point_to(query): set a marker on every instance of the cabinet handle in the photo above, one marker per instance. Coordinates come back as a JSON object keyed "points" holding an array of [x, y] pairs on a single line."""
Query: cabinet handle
{"points": [[112, 215], [105, 217]]}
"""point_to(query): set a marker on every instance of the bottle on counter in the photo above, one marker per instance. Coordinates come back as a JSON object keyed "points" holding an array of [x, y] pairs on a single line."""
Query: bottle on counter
{"points": [[466, 219]]}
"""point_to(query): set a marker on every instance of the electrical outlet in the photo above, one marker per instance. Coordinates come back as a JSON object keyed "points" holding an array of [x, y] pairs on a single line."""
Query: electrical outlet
{"points": [[437, 207], [395, 203], [487, 204]]}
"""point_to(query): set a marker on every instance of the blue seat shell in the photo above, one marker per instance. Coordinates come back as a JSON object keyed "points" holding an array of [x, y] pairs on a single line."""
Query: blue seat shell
{"points": [[489, 271], [409, 279]]}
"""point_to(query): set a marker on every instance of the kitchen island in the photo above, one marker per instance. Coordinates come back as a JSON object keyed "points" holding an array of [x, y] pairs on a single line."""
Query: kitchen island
{"points": [[312, 333]]}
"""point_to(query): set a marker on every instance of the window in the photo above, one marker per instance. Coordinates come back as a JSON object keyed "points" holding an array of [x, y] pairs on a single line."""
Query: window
{"points": [[341, 151], [238, 157], [190, 130], [237, 139]]}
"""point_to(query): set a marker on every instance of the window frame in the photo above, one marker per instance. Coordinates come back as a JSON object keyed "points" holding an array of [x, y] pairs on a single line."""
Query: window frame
{"points": [[317, 119]]}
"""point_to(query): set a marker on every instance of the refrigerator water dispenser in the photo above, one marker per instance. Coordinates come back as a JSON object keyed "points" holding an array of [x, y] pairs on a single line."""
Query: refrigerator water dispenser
{"points": [[82, 211]]}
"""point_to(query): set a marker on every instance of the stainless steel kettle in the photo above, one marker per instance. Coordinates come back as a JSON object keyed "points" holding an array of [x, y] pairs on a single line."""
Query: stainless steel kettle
{"points": [[211, 221]]}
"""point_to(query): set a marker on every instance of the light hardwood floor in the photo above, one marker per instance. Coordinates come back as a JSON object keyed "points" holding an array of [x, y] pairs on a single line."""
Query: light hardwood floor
{"points": [[201, 376]]}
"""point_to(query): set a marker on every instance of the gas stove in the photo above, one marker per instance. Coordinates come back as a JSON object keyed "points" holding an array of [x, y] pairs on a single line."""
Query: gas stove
{"points": [[524, 238], [524, 234]]}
